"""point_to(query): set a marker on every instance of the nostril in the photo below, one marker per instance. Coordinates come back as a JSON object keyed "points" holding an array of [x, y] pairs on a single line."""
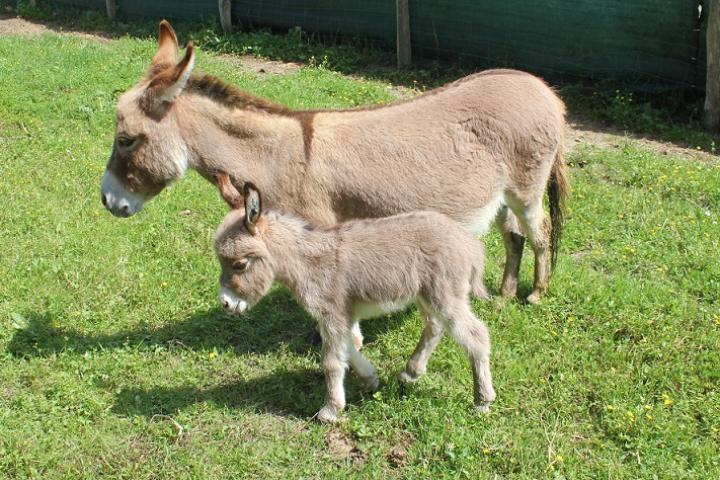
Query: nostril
{"points": [[125, 209], [225, 304], [104, 200]]}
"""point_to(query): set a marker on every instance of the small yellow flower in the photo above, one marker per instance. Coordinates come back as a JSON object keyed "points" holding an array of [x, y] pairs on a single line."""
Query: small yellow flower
{"points": [[667, 401], [558, 458], [648, 407], [486, 451], [610, 408], [212, 355], [648, 416]]}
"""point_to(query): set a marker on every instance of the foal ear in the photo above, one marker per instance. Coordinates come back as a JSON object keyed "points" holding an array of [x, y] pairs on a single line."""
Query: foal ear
{"points": [[167, 52], [168, 83], [228, 191], [253, 206]]}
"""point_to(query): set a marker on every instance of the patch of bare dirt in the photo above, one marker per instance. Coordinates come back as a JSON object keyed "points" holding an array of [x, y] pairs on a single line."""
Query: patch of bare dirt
{"points": [[12, 25], [18, 26], [581, 131], [398, 454], [341, 447], [261, 66]]}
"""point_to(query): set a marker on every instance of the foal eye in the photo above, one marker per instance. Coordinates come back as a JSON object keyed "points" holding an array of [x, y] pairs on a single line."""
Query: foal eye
{"points": [[240, 265], [125, 142]]}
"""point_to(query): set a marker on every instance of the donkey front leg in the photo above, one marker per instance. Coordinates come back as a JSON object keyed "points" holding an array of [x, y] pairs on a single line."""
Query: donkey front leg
{"points": [[334, 363]]}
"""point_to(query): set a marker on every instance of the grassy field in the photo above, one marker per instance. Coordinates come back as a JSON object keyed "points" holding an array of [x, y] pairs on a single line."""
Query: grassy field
{"points": [[116, 362]]}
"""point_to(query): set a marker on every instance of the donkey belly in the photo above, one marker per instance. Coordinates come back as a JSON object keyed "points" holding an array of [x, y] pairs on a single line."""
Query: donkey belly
{"points": [[365, 309], [478, 221]]}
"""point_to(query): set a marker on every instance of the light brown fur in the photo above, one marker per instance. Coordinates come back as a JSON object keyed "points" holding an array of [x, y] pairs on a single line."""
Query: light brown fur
{"points": [[357, 270], [484, 147]]}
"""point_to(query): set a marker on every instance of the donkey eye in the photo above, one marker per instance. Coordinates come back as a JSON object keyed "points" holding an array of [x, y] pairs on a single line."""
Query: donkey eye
{"points": [[240, 265], [126, 142]]}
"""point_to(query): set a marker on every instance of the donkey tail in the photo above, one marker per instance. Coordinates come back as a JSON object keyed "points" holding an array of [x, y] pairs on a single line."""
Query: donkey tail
{"points": [[558, 190]]}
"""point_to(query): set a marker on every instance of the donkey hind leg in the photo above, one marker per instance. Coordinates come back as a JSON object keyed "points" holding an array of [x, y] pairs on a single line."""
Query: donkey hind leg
{"points": [[472, 334], [514, 242], [362, 367], [357, 336], [536, 224], [431, 336], [334, 363]]}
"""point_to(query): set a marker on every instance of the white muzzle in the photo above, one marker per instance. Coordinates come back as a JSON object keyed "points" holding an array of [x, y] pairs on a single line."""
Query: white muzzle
{"points": [[117, 198], [231, 302]]}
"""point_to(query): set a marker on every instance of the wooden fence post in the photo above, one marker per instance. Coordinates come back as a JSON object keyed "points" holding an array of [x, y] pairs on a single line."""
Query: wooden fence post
{"points": [[111, 7], [225, 21], [404, 53], [712, 86]]}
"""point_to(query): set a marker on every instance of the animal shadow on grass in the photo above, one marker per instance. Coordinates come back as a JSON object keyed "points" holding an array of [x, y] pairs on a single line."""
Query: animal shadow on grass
{"points": [[296, 393], [276, 320], [288, 393]]}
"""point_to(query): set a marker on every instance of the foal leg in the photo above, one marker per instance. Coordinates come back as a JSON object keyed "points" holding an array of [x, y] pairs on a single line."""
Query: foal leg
{"points": [[514, 243], [357, 336], [472, 334], [431, 336], [334, 363], [363, 368], [536, 223]]}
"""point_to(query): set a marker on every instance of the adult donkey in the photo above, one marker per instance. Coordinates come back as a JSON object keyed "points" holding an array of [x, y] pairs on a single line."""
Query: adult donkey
{"points": [[484, 147]]}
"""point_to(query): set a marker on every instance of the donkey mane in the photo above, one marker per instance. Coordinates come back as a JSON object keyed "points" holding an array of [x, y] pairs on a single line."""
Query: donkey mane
{"points": [[230, 96]]}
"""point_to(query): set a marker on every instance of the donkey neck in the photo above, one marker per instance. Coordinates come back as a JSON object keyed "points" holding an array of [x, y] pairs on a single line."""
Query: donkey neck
{"points": [[302, 255], [248, 143]]}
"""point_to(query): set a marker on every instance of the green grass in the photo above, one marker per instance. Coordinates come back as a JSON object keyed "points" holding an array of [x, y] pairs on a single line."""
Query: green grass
{"points": [[107, 323]]}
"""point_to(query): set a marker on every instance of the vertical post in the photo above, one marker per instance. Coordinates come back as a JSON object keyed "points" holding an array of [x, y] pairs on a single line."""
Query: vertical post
{"points": [[403, 33], [225, 22], [111, 7], [712, 86]]}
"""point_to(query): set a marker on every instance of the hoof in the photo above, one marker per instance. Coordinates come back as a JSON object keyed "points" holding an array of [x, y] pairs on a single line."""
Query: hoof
{"points": [[408, 377], [534, 298], [508, 291], [327, 415], [370, 384], [483, 407]]}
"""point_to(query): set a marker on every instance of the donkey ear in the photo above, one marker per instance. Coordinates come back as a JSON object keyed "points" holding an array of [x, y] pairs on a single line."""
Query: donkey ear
{"points": [[253, 206], [167, 84], [167, 52], [228, 191]]}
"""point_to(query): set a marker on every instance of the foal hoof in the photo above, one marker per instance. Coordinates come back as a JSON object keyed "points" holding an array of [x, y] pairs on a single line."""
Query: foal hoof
{"points": [[407, 377], [327, 415], [371, 384], [483, 407]]}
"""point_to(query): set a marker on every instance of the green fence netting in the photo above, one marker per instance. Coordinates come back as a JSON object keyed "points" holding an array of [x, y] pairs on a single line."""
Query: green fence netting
{"points": [[651, 42]]}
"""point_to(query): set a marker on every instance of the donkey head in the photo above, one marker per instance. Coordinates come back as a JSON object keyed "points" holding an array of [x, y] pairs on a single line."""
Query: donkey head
{"points": [[246, 263], [148, 152]]}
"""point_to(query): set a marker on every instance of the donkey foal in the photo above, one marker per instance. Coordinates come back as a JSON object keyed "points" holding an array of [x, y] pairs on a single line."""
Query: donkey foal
{"points": [[357, 270]]}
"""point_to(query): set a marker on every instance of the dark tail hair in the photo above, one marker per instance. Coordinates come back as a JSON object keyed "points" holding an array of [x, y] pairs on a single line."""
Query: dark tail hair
{"points": [[558, 190]]}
